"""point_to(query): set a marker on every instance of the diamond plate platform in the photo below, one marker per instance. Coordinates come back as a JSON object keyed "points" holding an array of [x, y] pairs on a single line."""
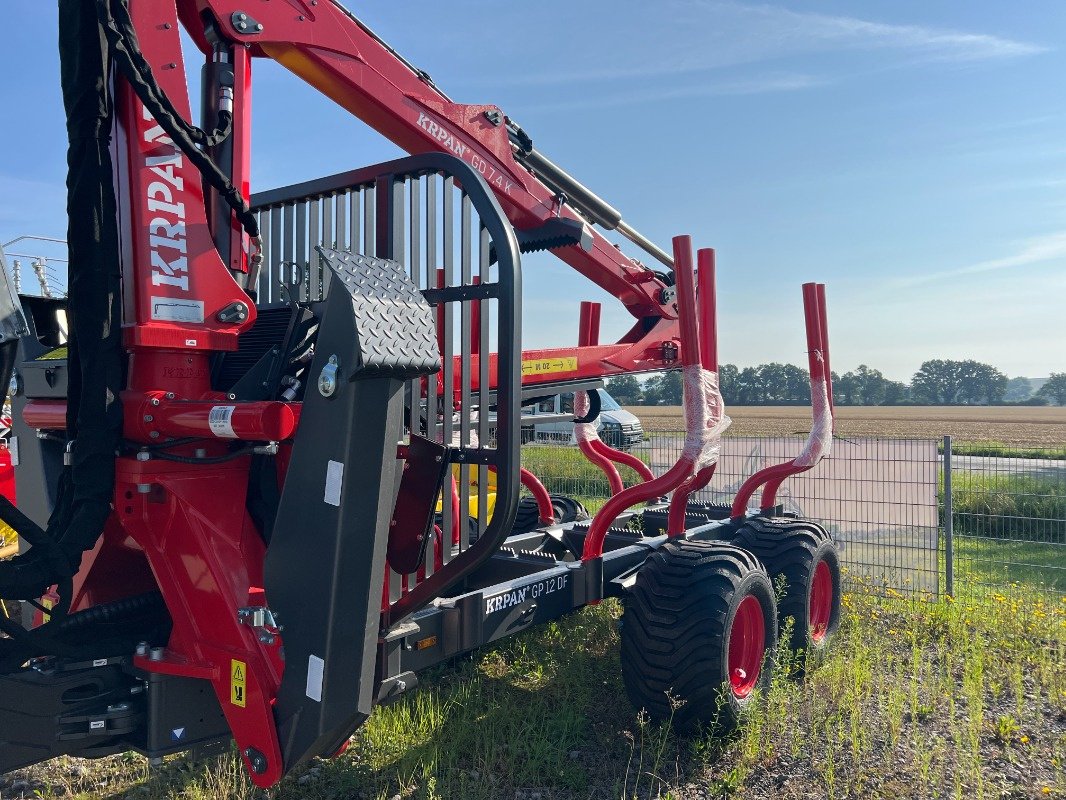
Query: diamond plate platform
{"points": [[396, 326]]}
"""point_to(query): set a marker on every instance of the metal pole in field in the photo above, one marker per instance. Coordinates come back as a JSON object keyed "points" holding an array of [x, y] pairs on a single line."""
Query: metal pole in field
{"points": [[949, 543]]}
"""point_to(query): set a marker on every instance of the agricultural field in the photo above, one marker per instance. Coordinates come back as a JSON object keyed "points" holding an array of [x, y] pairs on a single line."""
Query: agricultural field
{"points": [[1012, 425]]}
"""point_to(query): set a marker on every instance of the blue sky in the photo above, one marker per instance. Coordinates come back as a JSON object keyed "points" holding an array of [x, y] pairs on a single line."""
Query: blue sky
{"points": [[910, 155]]}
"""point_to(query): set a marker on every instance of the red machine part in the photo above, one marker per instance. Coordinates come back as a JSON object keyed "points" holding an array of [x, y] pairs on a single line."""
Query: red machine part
{"points": [[708, 332], [683, 469], [7, 475], [821, 387], [184, 527]]}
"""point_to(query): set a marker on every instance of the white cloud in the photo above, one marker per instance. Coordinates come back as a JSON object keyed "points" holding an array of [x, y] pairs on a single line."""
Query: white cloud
{"points": [[761, 84], [686, 37], [1039, 250], [937, 43]]}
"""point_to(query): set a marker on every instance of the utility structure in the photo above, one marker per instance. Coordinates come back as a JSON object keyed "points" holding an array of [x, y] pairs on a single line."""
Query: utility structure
{"points": [[275, 471]]}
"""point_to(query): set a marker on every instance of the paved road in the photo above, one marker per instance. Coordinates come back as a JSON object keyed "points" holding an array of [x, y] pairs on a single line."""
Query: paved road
{"points": [[1014, 466]]}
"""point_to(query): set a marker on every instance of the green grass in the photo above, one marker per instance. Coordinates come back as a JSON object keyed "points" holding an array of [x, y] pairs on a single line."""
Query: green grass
{"points": [[985, 566], [914, 699], [1004, 450], [565, 470], [1009, 506]]}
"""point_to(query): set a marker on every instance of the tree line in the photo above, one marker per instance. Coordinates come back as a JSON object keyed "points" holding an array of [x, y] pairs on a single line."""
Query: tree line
{"points": [[937, 382]]}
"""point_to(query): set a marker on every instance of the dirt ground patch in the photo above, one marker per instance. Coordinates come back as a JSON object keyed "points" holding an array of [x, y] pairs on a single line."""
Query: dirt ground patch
{"points": [[1022, 425]]}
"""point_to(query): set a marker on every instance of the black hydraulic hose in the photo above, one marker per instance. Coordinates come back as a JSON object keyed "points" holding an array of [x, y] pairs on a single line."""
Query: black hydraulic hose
{"points": [[121, 35], [109, 612], [243, 451]]}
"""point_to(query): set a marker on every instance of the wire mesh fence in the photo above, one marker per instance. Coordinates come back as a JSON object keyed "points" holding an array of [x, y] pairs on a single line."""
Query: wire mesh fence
{"points": [[1002, 530], [1006, 515]]}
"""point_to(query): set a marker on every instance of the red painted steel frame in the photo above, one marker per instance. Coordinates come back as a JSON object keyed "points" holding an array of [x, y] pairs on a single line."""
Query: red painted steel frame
{"points": [[326, 47], [817, 361], [199, 544], [682, 470], [540, 494], [707, 305]]}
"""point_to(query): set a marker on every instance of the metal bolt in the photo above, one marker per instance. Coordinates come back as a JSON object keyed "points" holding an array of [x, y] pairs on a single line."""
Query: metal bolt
{"points": [[166, 26], [142, 649], [148, 418], [172, 65], [155, 401], [401, 685], [259, 26], [170, 395], [256, 759], [153, 435], [156, 654], [242, 17], [200, 452], [231, 396], [301, 18]]}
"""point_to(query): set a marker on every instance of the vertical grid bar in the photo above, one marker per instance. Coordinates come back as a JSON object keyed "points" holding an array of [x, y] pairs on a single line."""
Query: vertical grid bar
{"points": [[328, 240], [417, 394], [327, 222], [300, 253], [276, 241], [433, 399], [448, 399], [949, 524], [466, 322], [289, 252], [340, 232], [369, 226], [264, 226], [483, 382], [314, 269], [355, 213]]}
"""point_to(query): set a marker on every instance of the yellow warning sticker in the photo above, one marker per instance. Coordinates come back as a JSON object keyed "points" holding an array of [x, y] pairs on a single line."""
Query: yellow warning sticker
{"points": [[548, 366], [57, 354], [238, 682]]}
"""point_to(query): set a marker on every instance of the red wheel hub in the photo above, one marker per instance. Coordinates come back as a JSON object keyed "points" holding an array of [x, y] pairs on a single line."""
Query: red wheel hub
{"points": [[747, 643], [821, 605]]}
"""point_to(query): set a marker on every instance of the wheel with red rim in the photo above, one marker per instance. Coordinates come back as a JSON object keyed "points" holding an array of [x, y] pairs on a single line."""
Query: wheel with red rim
{"points": [[801, 555], [699, 624]]}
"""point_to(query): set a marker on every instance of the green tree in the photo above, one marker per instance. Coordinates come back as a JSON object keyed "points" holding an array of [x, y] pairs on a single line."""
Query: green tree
{"points": [[946, 382], [896, 392], [727, 382], [937, 382], [749, 388], [626, 389], [863, 387], [981, 383], [664, 389], [1018, 390], [1054, 391]]}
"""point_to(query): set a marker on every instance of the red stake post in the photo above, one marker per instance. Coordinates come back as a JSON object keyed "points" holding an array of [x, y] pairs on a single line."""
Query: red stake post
{"points": [[690, 356], [818, 363]]}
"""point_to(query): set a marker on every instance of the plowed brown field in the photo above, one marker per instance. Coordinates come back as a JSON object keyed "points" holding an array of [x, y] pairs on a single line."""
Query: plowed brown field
{"points": [[1021, 425]]}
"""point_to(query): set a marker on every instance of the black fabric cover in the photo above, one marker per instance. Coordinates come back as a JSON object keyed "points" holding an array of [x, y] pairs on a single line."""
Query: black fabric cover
{"points": [[94, 415]]}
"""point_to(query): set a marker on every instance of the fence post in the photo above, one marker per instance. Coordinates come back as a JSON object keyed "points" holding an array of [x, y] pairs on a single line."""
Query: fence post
{"points": [[949, 539]]}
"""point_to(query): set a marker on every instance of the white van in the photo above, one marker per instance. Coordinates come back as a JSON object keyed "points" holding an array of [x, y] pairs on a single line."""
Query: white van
{"points": [[616, 426]]}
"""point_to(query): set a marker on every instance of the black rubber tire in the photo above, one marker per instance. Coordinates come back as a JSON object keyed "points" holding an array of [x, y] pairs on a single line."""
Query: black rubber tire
{"points": [[676, 627], [567, 509], [791, 549], [528, 516]]}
